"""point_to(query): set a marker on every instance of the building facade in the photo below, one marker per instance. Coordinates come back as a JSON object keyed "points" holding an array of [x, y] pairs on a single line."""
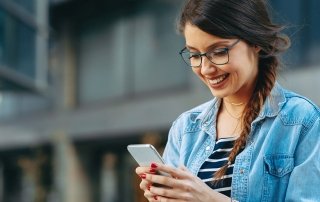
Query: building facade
{"points": [[113, 77]]}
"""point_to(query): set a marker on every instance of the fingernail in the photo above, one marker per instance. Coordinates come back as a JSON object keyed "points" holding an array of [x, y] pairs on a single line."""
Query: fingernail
{"points": [[143, 176], [152, 170], [149, 187], [155, 198], [153, 165]]}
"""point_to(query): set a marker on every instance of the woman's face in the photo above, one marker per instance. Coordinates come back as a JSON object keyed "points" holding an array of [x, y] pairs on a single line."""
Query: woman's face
{"points": [[234, 80]]}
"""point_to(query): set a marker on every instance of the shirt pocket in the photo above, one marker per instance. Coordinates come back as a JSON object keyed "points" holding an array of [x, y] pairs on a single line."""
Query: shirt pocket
{"points": [[278, 165], [277, 170]]}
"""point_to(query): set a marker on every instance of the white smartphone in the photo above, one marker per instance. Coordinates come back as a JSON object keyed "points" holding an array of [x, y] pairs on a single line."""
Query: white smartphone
{"points": [[145, 154]]}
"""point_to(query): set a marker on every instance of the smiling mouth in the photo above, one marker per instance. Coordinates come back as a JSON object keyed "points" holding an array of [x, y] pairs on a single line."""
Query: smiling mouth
{"points": [[218, 79]]}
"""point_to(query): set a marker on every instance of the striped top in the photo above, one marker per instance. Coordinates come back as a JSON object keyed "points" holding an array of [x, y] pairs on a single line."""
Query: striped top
{"points": [[216, 160]]}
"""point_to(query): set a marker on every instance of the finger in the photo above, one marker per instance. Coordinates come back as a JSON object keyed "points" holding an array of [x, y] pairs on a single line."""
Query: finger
{"points": [[141, 170], [162, 168], [150, 196], [186, 173], [166, 199], [161, 180], [174, 172], [163, 191], [182, 167], [170, 193], [145, 185], [170, 184]]}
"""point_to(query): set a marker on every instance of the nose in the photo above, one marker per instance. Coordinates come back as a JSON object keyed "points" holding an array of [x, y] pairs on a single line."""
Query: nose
{"points": [[207, 67]]}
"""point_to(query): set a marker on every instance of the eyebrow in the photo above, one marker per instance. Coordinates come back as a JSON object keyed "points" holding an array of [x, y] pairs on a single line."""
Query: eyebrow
{"points": [[210, 46]]}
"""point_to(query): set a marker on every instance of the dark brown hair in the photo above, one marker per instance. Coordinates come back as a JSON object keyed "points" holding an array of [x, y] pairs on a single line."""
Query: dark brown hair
{"points": [[249, 21]]}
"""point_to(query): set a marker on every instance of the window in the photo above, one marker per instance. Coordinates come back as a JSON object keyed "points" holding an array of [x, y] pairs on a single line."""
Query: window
{"points": [[23, 44], [23, 56], [17, 45]]}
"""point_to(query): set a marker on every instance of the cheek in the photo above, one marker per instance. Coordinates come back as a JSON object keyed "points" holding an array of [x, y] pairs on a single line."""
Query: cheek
{"points": [[241, 74], [244, 75], [245, 68], [197, 71]]}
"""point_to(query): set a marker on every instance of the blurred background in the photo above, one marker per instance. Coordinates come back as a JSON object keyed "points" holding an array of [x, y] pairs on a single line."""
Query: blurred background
{"points": [[80, 80]]}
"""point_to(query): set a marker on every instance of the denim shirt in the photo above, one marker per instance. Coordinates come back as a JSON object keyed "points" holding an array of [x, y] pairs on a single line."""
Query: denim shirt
{"points": [[281, 160]]}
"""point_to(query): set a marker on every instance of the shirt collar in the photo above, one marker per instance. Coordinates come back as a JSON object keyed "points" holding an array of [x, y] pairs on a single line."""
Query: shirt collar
{"points": [[274, 102], [271, 108], [208, 116]]}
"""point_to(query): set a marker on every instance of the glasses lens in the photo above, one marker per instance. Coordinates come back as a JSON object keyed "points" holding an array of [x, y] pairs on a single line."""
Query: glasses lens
{"points": [[219, 56], [191, 59]]}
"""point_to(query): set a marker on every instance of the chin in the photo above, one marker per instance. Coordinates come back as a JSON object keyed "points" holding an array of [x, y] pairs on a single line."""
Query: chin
{"points": [[218, 95]]}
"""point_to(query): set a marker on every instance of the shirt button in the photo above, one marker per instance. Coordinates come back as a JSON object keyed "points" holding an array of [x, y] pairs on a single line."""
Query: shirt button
{"points": [[279, 170], [207, 148], [241, 171]]}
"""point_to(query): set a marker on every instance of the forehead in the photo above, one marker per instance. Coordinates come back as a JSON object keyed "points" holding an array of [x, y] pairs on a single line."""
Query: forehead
{"points": [[199, 39]]}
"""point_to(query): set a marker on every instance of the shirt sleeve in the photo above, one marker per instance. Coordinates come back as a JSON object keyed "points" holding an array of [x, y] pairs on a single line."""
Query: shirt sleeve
{"points": [[171, 151], [304, 182]]}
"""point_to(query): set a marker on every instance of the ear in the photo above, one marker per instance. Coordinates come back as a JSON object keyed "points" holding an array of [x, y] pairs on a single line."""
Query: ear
{"points": [[257, 48]]}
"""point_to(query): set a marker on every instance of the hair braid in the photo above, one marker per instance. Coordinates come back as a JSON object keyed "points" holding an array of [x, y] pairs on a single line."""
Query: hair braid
{"points": [[265, 83]]}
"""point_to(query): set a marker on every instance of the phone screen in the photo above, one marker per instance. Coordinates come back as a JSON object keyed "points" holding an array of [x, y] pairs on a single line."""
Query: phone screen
{"points": [[145, 154]]}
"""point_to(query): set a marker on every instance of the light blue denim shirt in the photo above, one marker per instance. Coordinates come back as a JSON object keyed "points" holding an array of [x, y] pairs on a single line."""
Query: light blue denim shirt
{"points": [[281, 160]]}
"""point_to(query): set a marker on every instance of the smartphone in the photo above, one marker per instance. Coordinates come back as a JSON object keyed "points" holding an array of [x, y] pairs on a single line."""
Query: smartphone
{"points": [[145, 154]]}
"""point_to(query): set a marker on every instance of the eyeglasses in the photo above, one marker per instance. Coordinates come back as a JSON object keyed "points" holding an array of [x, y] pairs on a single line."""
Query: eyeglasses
{"points": [[218, 56]]}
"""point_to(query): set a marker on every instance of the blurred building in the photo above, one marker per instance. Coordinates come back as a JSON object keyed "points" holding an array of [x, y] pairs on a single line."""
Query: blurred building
{"points": [[81, 79]]}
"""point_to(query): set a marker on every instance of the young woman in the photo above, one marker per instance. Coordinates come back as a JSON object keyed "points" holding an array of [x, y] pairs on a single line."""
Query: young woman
{"points": [[255, 141]]}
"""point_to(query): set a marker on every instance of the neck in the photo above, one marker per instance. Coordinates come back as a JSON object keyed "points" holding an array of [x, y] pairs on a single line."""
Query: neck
{"points": [[234, 110], [233, 103], [236, 101]]}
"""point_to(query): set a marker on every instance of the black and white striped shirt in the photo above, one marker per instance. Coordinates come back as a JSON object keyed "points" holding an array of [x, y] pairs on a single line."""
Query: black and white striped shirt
{"points": [[216, 160]]}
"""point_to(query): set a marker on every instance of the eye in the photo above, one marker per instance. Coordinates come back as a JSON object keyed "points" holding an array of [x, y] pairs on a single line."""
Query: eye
{"points": [[194, 56], [219, 52]]}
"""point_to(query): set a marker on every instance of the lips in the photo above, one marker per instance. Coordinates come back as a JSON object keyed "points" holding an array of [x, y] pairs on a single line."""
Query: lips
{"points": [[218, 80]]}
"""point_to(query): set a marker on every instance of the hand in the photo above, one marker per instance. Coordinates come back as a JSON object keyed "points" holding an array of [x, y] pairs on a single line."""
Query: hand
{"points": [[183, 186], [145, 184]]}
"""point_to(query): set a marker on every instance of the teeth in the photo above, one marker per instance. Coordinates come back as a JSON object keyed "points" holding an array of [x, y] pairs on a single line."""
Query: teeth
{"points": [[218, 80]]}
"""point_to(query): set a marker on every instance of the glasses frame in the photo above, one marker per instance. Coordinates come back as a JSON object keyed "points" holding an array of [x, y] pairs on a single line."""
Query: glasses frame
{"points": [[227, 49]]}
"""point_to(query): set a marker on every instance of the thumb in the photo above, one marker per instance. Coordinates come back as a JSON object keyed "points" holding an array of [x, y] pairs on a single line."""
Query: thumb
{"points": [[182, 167]]}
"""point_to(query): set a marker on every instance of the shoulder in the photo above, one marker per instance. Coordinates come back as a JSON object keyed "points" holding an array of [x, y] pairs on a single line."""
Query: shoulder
{"points": [[298, 109], [196, 113], [189, 121]]}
